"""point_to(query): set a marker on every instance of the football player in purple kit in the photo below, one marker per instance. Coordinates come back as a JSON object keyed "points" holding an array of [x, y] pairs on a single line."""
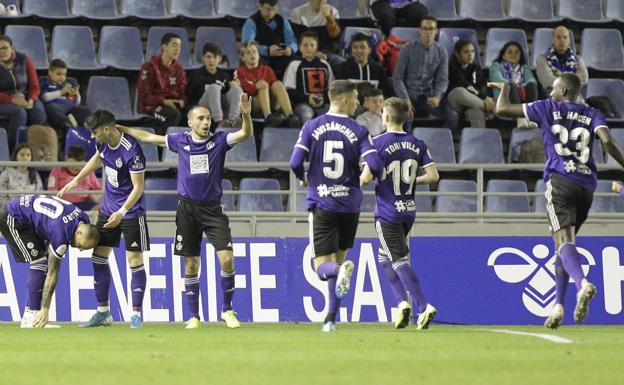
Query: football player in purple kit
{"points": [[568, 131], [201, 157], [122, 211], [395, 208], [334, 144], [38, 229]]}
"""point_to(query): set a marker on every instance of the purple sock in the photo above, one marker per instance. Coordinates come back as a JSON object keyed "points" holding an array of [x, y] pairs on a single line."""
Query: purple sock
{"points": [[411, 283], [191, 285], [398, 289], [101, 279], [227, 289], [334, 302], [137, 285], [561, 278], [36, 279], [571, 263], [327, 270]]}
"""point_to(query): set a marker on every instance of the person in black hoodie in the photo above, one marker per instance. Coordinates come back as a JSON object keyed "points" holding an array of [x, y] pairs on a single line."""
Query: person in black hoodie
{"points": [[468, 85], [215, 88], [359, 68]]}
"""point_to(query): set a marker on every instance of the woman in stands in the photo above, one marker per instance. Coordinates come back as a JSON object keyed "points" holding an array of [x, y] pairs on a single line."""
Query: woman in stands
{"points": [[19, 90], [21, 177]]}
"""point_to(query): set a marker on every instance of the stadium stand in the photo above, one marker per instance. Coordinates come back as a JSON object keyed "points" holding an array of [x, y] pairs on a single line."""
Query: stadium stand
{"points": [[456, 203], [439, 142], [480, 145], [602, 49], [496, 38], [121, 48], [96, 9], [154, 36], [110, 93], [533, 11], [30, 39], [259, 202], [225, 37], [449, 36], [508, 204], [75, 45]]}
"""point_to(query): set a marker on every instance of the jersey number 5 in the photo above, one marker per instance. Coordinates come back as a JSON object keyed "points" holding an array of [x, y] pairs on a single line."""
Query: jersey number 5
{"points": [[330, 155]]}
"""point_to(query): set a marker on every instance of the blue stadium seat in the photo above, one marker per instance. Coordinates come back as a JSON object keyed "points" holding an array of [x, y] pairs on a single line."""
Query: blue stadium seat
{"points": [[482, 10], [612, 89], [300, 199], [583, 11], [227, 200], [47, 9], [110, 93], [242, 152], [350, 31], [193, 9], [151, 152], [121, 47], [5, 155], [448, 203], [618, 135], [539, 202], [259, 202], [96, 9], [368, 200], [533, 11], [349, 10], [480, 145], [146, 9], [542, 40], [225, 37], [496, 38], [277, 144], [30, 39], [614, 10], [449, 36], [240, 9], [439, 141], [423, 203], [168, 155], [161, 202], [606, 204], [519, 135], [506, 204], [74, 44], [443, 10], [602, 49], [406, 33], [79, 136], [155, 34]]}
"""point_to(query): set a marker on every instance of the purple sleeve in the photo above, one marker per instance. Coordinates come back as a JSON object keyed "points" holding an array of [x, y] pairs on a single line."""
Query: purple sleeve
{"points": [[136, 162], [58, 241], [599, 120], [425, 156], [621, 192], [300, 153], [370, 156], [173, 141], [532, 110]]}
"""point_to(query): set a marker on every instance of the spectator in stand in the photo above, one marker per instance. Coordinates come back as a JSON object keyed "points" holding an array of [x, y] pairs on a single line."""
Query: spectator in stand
{"points": [[307, 79], [20, 177], [19, 90], [215, 89], [372, 100], [359, 68], [322, 19], [468, 85], [274, 36], [511, 67], [421, 75], [259, 80], [61, 96], [395, 13], [60, 176], [559, 59], [162, 85]]}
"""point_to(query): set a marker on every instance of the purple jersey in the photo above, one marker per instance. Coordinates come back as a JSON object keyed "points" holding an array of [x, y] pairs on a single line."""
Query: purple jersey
{"points": [[334, 144], [119, 162], [401, 154], [568, 131], [200, 165], [54, 219]]}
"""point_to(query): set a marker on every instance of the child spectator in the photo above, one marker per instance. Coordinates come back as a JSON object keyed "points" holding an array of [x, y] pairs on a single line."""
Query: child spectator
{"points": [[307, 79], [259, 80], [20, 177], [60, 176], [322, 18], [372, 100], [215, 88], [61, 96]]}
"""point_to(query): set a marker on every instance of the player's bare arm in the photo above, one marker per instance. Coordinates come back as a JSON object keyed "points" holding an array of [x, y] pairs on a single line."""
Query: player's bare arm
{"points": [[93, 164], [610, 145], [54, 264], [247, 128], [366, 176], [503, 106], [144, 136], [138, 185], [431, 175]]}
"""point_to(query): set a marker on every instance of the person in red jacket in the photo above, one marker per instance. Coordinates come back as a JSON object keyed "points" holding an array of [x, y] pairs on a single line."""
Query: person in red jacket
{"points": [[162, 85], [19, 90]]}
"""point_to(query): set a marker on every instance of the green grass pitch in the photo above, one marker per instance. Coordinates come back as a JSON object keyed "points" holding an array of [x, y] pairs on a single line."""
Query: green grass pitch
{"points": [[301, 354]]}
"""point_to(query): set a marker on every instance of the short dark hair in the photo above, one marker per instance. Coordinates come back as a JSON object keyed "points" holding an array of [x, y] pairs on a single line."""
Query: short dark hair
{"points": [[213, 48], [57, 63], [340, 87], [499, 58], [460, 44], [572, 82], [361, 36], [98, 119], [397, 109], [368, 92], [269, 2], [167, 37], [310, 34], [76, 152], [7, 39], [430, 18]]}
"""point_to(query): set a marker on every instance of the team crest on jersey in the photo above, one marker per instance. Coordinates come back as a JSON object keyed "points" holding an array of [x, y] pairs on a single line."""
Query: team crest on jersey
{"points": [[210, 145], [118, 162]]}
